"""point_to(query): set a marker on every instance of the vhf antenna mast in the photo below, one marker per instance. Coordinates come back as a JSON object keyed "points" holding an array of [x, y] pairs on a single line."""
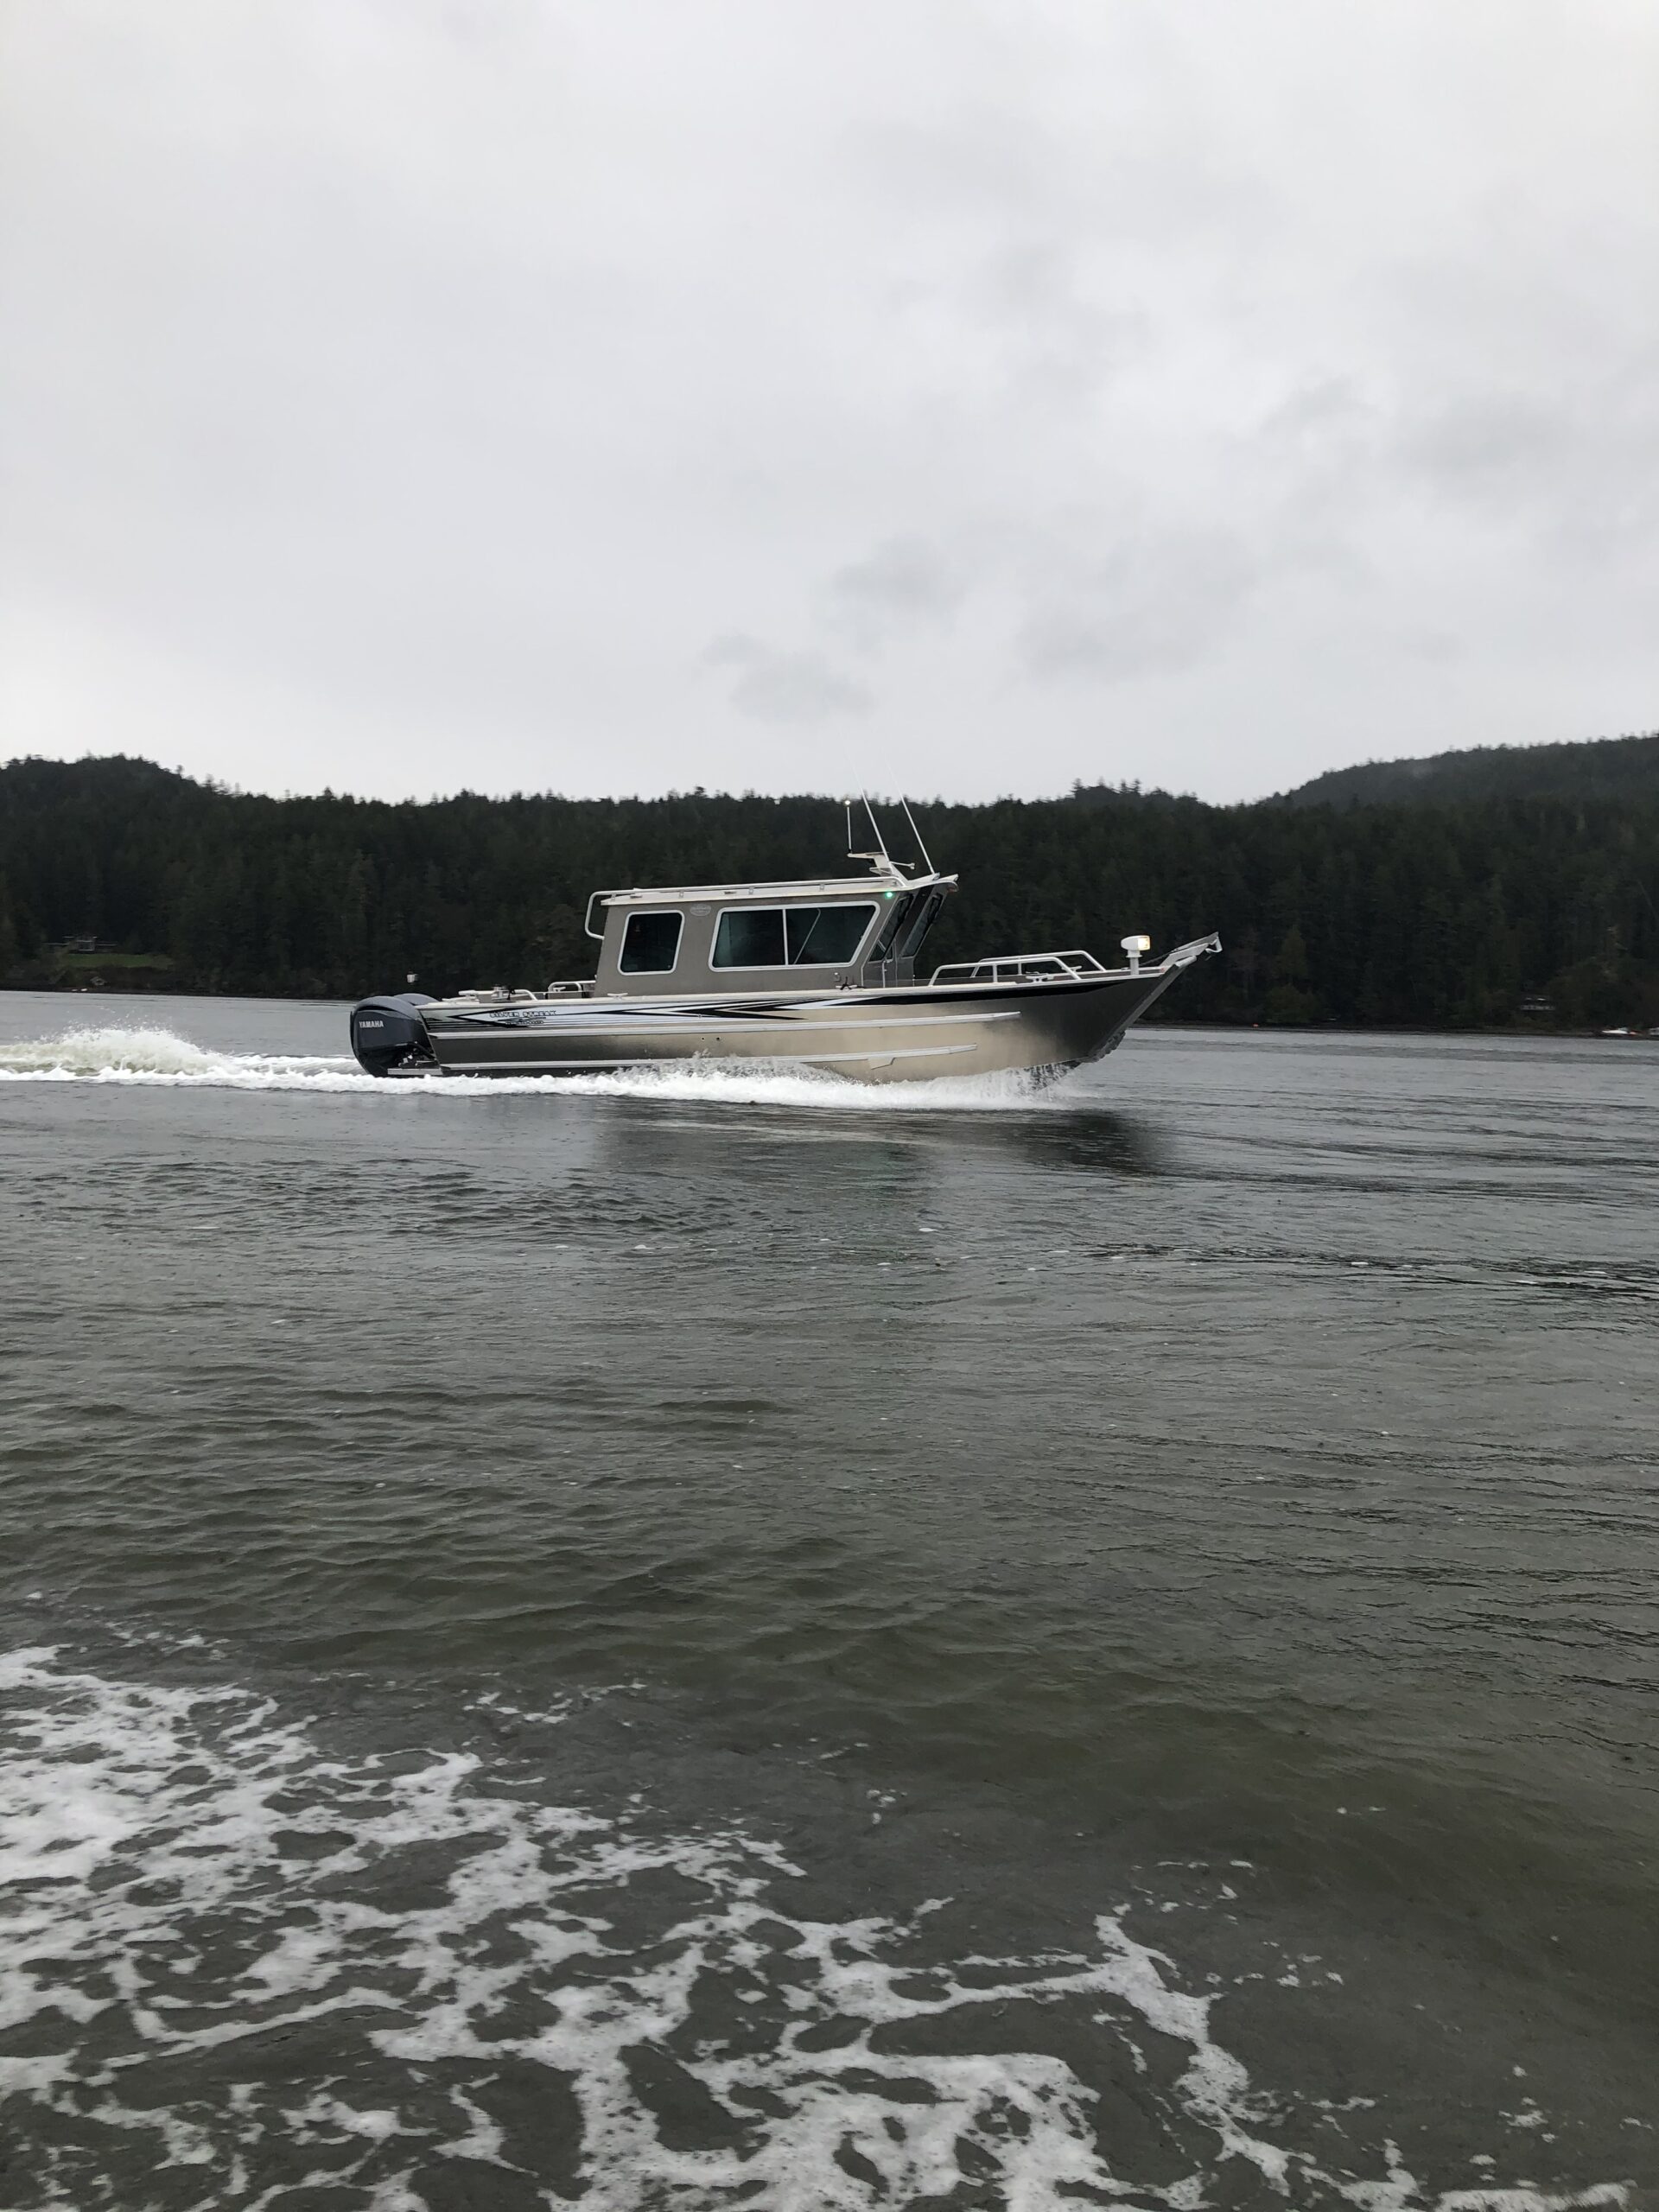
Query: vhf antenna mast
{"points": [[917, 835], [881, 854]]}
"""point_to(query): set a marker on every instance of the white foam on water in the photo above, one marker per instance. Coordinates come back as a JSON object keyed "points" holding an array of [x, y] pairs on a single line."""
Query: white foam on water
{"points": [[188, 1875], [769, 1084], [158, 1058]]}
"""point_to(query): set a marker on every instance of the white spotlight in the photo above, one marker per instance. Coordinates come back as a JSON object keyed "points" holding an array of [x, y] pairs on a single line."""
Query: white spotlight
{"points": [[1134, 946]]}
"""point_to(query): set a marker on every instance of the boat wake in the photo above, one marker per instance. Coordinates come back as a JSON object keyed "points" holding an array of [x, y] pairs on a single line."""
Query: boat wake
{"points": [[158, 1057], [256, 1964]]}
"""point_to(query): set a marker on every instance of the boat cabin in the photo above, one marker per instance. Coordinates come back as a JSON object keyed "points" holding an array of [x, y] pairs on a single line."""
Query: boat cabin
{"points": [[828, 935]]}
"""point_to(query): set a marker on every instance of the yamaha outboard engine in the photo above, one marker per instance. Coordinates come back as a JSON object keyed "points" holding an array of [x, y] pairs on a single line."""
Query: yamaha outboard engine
{"points": [[388, 1035]]}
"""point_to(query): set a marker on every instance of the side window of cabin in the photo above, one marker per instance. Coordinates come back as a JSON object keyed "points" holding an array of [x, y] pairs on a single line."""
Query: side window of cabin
{"points": [[651, 944], [820, 936], [750, 937], [790, 936]]}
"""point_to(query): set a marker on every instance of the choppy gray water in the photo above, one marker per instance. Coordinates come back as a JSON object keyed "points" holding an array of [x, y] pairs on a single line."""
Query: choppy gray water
{"points": [[726, 1641]]}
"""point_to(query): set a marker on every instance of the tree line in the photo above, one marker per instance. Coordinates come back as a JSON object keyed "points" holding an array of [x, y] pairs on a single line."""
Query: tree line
{"points": [[1476, 913], [1607, 767]]}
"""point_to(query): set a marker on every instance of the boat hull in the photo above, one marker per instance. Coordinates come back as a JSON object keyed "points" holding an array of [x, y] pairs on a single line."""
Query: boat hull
{"points": [[901, 1034]]}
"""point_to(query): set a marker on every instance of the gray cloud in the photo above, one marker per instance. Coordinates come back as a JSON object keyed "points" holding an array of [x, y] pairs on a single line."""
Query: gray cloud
{"points": [[786, 687], [901, 586], [1154, 603], [1579, 471]]}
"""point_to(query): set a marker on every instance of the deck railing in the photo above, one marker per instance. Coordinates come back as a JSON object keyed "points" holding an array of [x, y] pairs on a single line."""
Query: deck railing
{"points": [[1020, 968]]}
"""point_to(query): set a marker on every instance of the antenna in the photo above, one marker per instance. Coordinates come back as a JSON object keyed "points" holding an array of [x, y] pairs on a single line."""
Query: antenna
{"points": [[881, 858], [917, 835]]}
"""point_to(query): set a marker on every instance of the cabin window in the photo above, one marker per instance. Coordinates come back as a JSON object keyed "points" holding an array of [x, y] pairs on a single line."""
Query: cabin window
{"points": [[750, 937], [820, 936], [891, 922], [910, 944], [651, 944], [789, 937]]}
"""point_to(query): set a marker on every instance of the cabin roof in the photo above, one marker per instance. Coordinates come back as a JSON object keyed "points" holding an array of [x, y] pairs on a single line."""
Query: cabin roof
{"points": [[826, 887]]}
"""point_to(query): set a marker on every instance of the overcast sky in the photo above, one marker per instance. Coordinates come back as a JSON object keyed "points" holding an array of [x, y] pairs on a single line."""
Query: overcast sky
{"points": [[626, 395]]}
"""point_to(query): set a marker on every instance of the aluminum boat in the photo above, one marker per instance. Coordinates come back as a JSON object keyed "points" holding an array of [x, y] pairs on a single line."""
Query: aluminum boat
{"points": [[816, 974]]}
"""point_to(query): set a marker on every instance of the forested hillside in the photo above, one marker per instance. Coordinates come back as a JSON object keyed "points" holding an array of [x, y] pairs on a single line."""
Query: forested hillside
{"points": [[1452, 914], [1611, 767]]}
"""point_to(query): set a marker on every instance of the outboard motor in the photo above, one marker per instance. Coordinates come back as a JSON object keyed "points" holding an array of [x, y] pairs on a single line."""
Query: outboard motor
{"points": [[388, 1035]]}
